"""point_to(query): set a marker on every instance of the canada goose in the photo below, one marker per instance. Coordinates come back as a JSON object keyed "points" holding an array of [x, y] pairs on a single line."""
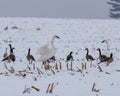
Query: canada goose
{"points": [[88, 57], [52, 59], [10, 57], [101, 57], [29, 57], [108, 60], [47, 51], [69, 57], [5, 54]]}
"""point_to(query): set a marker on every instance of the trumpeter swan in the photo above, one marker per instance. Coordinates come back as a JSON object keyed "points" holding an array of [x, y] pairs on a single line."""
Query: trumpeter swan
{"points": [[48, 50], [11, 56], [107, 51]]}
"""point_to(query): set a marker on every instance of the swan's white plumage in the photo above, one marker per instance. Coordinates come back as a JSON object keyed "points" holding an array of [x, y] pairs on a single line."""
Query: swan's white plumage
{"points": [[48, 50], [107, 51], [43, 50]]}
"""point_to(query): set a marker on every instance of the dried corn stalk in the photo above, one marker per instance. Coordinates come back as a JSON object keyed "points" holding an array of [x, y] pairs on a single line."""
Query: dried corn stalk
{"points": [[117, 70], [51, 89], [107, 73], [60, 65], [79, 70], [28, 67], [100, 69], [83, 66], [22, 74], [35, 88], [94, 89], [48, 88], [39, 71], [12, 70], [26, 90], [67, 67], [56, 66], [53, 71]]}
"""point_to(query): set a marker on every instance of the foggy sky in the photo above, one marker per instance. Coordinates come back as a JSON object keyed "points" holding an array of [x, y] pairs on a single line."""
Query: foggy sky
{"points": [[54, 8]]}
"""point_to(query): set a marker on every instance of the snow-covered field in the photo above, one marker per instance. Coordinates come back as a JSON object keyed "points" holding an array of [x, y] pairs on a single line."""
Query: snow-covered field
{"points": [[75, 35]]}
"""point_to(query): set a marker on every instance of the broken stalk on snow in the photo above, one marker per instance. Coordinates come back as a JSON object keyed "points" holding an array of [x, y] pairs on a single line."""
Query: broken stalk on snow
{"points": [[67, 67], [48, 88], [26, 90], [60, 65], [35, 88], [79, 70], [100, 69], [22, 74], [85, 66], [51, 89], [39, 71], [53, 71], [94, 89], [56, 66], [12, 70], [28, 67]]}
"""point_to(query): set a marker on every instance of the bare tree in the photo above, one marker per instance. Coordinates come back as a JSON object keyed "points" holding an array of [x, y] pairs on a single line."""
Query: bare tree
{"points": [[115, 10]]}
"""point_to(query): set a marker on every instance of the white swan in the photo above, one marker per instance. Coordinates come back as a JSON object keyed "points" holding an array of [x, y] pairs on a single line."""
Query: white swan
{"points": [[107, 51], [48, 50]]}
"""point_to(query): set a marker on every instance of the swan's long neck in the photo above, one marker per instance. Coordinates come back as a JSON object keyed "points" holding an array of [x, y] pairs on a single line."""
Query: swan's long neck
{"points": [[107, 45], [52, 41], [6, 50]]}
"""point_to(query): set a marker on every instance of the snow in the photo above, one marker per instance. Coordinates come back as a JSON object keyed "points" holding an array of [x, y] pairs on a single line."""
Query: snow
{"points": [[75, 35]]}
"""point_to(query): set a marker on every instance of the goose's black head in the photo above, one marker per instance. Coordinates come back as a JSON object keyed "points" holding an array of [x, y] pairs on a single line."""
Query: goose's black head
{"points": [[111, 55], [10, 45], [98, 49], [86, 49], [71, 53]]}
